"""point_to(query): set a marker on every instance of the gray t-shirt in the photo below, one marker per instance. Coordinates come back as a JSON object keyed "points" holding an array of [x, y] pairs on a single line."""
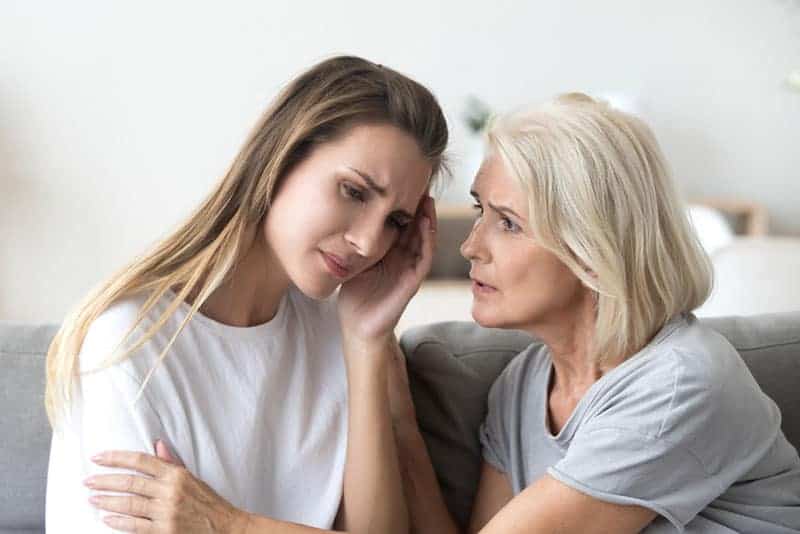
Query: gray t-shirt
{"points": [[681, 428]]}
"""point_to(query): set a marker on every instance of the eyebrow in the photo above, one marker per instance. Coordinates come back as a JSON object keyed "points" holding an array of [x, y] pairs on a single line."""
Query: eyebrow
{"points": [[370, 182], [499, 209], [380, 190]]}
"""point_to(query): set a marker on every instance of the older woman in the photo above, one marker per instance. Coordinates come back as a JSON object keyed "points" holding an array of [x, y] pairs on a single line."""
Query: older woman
{"points": [[632, 416]]}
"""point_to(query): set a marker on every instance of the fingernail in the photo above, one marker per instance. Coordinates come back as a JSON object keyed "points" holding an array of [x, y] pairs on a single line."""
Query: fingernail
{"points": [[89, 482], [94, 499], [99, 458]]}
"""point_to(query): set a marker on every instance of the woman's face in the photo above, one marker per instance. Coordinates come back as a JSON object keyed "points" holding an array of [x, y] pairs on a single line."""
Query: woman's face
{"points": [[340, 209], [516, 283]]}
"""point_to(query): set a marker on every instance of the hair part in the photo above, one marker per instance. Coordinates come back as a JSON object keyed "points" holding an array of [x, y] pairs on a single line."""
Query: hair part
{"points": [[316, 107], [600, 197]]}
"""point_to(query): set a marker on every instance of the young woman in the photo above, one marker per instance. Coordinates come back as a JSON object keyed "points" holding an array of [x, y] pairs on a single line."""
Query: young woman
{"points": [[227, 343], [632, 416]]}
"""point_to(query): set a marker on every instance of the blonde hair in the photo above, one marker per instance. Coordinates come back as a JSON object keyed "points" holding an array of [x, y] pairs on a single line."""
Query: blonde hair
{"points": [[600, 197], [316, 107]]}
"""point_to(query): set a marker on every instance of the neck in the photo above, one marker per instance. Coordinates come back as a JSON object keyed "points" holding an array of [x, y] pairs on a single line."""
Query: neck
{"points": [[252, 292], [569, 334]]}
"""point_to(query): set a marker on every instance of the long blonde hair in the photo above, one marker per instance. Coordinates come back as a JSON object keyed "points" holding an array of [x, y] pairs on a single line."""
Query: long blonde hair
{"points": [[314, 108], [600, 197]]}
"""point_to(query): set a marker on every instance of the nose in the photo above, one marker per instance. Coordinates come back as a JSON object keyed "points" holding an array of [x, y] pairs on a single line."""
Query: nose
{"points": [[472, 248], [367, 236]]}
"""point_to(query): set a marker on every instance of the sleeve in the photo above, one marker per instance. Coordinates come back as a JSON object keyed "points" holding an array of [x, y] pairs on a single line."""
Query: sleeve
{"points": [[493, 437], [106, 413], [671, 442]]}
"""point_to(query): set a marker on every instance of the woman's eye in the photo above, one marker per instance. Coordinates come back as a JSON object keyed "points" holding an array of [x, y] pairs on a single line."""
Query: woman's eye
{"points": [[398, 224], [509, 225], [352, 192]]}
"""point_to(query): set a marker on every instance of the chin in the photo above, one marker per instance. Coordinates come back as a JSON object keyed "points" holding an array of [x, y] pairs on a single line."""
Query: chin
{"points": [[315, 289], [498, 317], [485, 318]]}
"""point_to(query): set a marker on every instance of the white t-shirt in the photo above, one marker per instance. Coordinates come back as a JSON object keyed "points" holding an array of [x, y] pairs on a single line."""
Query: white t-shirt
{"points": [[257, 413]]}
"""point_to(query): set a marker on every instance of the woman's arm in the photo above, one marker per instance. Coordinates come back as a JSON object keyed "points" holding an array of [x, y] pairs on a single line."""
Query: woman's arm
{"points": [[548, 506], [104, 414], [372, 497], [427, 510], [544, 507], [170, 500], [369, 307], [426, 507]]}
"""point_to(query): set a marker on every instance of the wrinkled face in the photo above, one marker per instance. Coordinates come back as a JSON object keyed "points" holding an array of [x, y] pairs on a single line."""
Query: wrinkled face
{"points": [[339, 210], [516, 283]]}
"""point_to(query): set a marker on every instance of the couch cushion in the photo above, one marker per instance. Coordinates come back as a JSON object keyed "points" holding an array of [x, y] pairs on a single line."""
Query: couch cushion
{"points": [[452, 365], [24, 430]]}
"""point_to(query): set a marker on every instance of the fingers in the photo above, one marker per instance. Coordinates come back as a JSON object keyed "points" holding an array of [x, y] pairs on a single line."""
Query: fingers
{"points": [[130, 505], [137, 485], [129, 524], [427, 247], [406, 235], [427, 210], [135, 461]]}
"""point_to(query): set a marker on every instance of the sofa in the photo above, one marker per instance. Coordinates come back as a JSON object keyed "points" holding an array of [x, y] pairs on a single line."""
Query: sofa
{"points": [[451, 367]]}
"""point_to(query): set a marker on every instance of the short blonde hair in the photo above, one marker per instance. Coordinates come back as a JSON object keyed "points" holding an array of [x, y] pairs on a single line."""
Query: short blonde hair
{"points": [[600, 196]]}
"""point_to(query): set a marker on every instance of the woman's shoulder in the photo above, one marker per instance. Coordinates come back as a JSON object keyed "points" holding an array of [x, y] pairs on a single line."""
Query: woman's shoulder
{"points": [[106, 333], [700, 353], [683, 350], [688, 368]]}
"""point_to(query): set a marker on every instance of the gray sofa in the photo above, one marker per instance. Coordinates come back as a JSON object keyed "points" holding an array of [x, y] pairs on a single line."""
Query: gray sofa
{"points": [[451, 367]]}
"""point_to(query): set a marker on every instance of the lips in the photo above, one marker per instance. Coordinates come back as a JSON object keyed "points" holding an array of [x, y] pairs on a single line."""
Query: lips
{"points": [[478, 286], [336, 265]]}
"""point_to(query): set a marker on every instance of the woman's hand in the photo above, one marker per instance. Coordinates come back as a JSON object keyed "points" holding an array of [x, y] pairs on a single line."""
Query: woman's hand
{"points": [[371, 303], [166, 498]]}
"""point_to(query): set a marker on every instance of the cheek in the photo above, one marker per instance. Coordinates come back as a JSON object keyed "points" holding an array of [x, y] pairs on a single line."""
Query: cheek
{"points": [[519, 269], [549, 286], [536, 280], [301, 213]]}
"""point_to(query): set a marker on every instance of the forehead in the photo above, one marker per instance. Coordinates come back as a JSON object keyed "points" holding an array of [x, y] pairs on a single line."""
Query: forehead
{"points": [[494, 183], [390, 156]]}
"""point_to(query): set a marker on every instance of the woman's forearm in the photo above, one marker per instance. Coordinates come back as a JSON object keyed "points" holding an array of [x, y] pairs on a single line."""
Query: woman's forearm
{"points": [[265, 525], [426, 506], [373, 491], [427, 509]]}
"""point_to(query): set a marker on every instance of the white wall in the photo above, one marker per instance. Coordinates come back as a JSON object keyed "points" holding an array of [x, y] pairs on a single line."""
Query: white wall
{"points": [[117, 117]]}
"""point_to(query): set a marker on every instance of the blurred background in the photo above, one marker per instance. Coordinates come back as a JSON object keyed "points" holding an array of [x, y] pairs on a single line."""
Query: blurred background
{"points": [[117, 117]]}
